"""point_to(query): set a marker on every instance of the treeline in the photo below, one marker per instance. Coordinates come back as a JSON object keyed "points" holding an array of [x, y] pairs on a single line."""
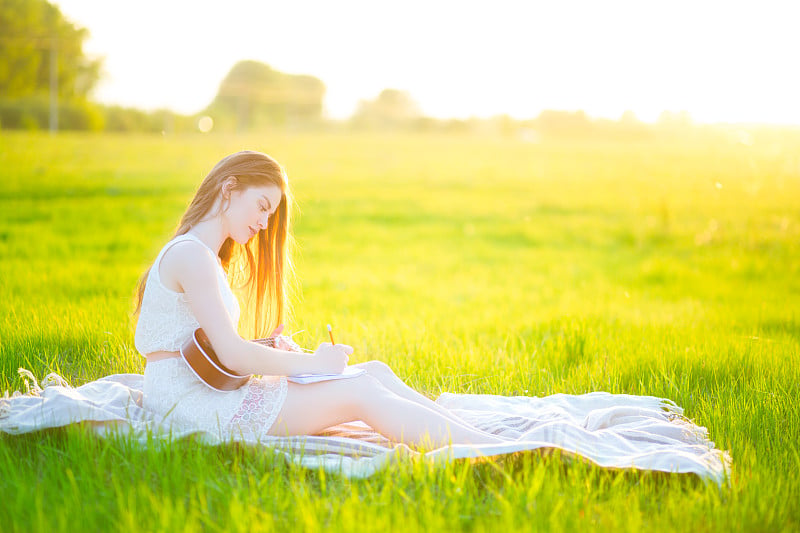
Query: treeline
{"points": [[34, 113], [227, 114]]}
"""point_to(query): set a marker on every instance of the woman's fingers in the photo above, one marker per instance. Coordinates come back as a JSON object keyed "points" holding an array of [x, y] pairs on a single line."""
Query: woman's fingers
{"points": [[277, 331], [346, 351], [335, 352], [347, 348]]}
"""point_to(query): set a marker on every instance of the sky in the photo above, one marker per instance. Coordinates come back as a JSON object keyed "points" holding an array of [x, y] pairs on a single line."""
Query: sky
{"points": [[725, 61]]}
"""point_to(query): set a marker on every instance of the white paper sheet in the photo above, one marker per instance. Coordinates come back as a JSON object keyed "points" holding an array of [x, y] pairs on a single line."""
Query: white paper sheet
{"points": [[304, 379]]}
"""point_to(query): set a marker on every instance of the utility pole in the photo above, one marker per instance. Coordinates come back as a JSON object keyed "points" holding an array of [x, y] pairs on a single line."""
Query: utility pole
{"points": [[53, 86]]}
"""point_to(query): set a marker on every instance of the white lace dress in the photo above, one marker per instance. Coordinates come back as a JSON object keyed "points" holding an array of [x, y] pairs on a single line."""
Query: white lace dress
{"points": [[171, 390]]}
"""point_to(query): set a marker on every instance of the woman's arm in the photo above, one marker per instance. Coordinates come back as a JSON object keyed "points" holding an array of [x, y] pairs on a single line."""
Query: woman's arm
{"points": [[194, 268]]}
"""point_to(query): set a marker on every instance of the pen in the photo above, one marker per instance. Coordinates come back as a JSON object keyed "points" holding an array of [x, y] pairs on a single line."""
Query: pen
{"points": [[330, 332]]}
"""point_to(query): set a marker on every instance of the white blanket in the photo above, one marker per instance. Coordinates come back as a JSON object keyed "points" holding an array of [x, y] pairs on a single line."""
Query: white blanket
{"points": [[610, 430]]}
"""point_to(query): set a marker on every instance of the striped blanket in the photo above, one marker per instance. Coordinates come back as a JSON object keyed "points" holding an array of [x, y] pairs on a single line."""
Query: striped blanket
{"points": [[609, 430]]}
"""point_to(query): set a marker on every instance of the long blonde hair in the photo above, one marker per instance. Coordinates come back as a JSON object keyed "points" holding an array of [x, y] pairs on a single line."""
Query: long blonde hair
{"points": [[259, 272]]}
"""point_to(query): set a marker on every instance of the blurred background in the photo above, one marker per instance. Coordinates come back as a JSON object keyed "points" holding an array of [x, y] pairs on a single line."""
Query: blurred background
{"points": [[532, 70], [504, 197]]}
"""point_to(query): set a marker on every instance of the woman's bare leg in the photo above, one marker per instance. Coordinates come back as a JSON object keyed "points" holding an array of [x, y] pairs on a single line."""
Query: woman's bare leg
{"points": [[311, 408], [383, 373]]}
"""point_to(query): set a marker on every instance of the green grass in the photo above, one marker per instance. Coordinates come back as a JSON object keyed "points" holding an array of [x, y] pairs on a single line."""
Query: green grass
{"points": [[468, 265]]}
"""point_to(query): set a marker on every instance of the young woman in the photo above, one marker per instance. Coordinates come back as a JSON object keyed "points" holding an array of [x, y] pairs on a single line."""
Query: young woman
{"points": [[226, 270]]}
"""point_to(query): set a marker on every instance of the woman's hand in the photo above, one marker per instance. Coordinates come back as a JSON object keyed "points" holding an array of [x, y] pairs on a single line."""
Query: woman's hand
{"points": [[280, 343], [331, 358]]}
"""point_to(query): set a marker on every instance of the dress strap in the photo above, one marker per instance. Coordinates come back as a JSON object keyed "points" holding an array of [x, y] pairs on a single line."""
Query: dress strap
{"points": [[195, 238]]}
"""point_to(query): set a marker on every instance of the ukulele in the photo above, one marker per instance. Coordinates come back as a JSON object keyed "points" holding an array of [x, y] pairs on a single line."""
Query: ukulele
{"points": [[203, 361]]}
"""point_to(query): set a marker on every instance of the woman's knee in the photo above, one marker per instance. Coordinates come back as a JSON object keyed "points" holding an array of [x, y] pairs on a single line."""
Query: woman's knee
{"points": [[377, 369]]}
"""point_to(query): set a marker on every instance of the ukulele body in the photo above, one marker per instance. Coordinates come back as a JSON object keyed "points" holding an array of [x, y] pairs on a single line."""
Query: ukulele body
{"points": [[203, 361]]}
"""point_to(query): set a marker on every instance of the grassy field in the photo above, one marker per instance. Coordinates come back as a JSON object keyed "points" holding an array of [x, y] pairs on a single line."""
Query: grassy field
{"points": [[469, 265]]}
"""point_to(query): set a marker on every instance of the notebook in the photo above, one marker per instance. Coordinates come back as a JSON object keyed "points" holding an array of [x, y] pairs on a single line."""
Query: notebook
{"points": [[304, 379]]}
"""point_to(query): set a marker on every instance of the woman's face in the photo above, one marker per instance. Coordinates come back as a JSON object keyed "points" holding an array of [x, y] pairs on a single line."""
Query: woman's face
{"points": [[250, 209]]}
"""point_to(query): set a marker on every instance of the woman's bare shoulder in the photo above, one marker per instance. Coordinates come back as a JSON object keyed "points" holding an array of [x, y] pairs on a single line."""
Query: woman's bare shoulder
{"points": [[185, 261]]}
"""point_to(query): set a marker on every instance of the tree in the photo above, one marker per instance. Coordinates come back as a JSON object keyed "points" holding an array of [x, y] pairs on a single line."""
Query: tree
{"points": [[35, 38], [254, 95], [675, 120], [564, 123], [391, 108]]}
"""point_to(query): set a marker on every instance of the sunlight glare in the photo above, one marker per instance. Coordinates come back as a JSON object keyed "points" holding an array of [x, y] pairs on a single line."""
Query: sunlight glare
{"points": [[719, 61], [205, 124]]}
